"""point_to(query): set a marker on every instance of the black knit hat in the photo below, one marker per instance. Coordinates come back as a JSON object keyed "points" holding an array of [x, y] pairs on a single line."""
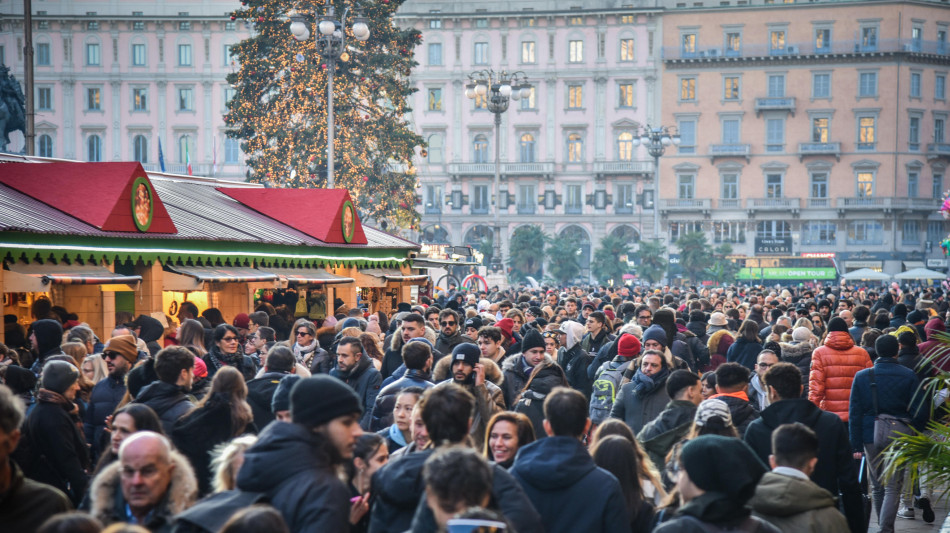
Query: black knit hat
{"points": [[887, 346], [281, 399], [58, 376], [532, 339], [837, 324], [469, 353], [317, 400], [722, 464], [140, 377]]}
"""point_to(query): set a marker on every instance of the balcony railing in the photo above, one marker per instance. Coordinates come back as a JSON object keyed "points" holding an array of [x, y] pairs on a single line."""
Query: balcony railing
{"points": [[918, 204], [623, 167], [775, 104], [685, 204], [729, 203], [819, 149], [938, 149], [472, 169], [773, 203], [513, 169], [863, 202], [819, 203], [729, 150], [811, 48]]}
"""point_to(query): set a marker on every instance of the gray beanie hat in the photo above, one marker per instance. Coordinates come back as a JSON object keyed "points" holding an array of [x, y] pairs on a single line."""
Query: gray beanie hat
{"points": [[58, 376]]}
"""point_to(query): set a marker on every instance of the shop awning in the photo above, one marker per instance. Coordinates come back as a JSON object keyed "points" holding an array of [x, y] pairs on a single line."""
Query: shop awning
{"points": [[193, 278], [384, 276], [440, 263], [36, 277], [309, 276], [910, 265]]}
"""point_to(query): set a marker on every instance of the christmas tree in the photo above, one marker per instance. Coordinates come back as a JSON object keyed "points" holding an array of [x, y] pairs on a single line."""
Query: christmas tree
{"points": [[279, 109]]}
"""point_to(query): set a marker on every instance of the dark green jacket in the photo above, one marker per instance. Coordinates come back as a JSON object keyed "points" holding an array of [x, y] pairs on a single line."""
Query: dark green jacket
{"points": [[672, 424]]}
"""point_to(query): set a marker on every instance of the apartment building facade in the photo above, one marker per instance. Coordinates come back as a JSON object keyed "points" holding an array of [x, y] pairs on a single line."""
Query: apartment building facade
{"points": [[808, 129]]}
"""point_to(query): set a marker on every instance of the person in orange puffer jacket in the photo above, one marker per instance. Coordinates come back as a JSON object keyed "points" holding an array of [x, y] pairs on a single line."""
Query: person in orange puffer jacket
{"points": [[833, 367]]}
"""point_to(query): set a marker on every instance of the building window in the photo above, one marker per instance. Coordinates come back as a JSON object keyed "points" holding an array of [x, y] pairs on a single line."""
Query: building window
{"points": [[935, 231], [93, 54], [435, 24], [865, 184], [43, 55], [625, 146], [939, 128], [867, 129], [819, 185], [575, 96], [232, 151], [823, 40], [626, 50], [530, 102], [575, 51], [433, 199], [936, 190], [689, 44], [138, 55], [913, 134], [775, 134], [819, 233], [481, 53], [140, 149], [527, 199], [528, 22], [140, 99], [625, 94], [434, 101], [45, 146], [627, 19], [480, 148], [940, 87], [435, 54], [575, 21], [729, 186], [481, 101], [687, 130], [44, 99], [733, 43], [777, 86], [528, 52], [773, 185], [481, 23], [184, 55], [678, 229], [574, 199], [915, 84], [688, 89], [821, 85], [730, 131], [777, 41], [186, 99], [479, 199], [94, 148], [93, 99], [819, 129], [865, 232], [728, 232], [773, 229], [867, 85], [184, 26], [869, 39], [185, 146], [435, 142], [686, 186], [730, 90], [623, 198], [526, 148], [575, 148], [228, 26], [913, 184]]}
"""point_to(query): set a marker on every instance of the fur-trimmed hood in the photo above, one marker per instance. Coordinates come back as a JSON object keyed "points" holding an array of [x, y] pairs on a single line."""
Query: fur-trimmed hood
{"points": [[182, 491], [512, 363], [715, 339], [795, 351], [443, 370], [396, 343]]}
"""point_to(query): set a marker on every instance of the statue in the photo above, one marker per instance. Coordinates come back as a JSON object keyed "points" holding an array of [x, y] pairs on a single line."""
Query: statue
{"points": [[12, 107]]}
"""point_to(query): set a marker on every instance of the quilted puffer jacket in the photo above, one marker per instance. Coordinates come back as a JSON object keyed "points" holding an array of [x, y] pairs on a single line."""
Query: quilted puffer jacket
{"points": [[833, 367]]}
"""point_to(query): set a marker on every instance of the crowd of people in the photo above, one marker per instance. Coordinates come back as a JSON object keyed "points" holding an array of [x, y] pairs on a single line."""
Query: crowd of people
{"points": [[668, 409]]}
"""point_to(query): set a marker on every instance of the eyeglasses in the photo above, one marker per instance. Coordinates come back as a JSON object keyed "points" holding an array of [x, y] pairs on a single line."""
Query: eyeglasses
{"points": [[644, 317], [110, 355], [303, 333], [448, 323], [229, 339], [765, 365]]}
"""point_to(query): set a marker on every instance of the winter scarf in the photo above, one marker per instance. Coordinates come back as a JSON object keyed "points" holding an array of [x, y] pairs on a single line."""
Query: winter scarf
{"points": [[644, 384], [396, 435], [48, 396], [301, 352], [219, 359]]}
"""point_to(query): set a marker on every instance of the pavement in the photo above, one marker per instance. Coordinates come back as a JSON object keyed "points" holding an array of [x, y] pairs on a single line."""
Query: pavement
{"points": [[902, 525]]}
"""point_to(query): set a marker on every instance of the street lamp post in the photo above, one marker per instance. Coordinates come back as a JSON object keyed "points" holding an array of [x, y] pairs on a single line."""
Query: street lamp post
{"points": [[498, 88], [330, 38], [656, 140]]}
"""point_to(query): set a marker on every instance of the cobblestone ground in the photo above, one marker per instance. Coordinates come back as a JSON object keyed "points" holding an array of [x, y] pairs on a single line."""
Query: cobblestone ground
{"points": [[917, 524]]}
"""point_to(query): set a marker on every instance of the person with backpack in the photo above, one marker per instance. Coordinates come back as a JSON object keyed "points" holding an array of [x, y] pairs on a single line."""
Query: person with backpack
{"points": [[517, 368], [544, 378], [658, 437], [608, 378]]}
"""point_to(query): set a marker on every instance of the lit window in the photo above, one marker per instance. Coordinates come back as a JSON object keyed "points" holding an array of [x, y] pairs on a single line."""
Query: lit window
{"points": [[625, 92], [688, 89], [626, 50], [575, 51]]}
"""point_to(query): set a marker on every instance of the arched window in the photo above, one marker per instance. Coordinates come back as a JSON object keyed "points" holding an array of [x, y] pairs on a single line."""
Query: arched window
{"points": [[436, 155], [140, 149], [625, 146], [184, 148], [45, 146], [481, 148], [527, 148], [94, 148], [575, 148]]}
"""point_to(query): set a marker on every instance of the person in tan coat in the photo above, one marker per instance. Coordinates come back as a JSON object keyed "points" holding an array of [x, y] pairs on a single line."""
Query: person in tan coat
{"points": [[786, 497], [833, 366]]}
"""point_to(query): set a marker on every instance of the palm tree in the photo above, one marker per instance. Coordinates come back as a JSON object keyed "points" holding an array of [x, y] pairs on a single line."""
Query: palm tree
{"points": [[651, 261], [526, 252], [695, 254], [607, 264], [723, 269], [562, 254]]}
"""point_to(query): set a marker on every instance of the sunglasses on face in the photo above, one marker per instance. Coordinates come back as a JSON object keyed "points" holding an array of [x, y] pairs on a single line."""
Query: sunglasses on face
{"points": [[229, 339], [448, 323], [303, 333], [644, 317], [110, 355]]}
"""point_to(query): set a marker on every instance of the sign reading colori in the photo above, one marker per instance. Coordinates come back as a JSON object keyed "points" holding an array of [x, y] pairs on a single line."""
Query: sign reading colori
{"points": [[773, 245]]}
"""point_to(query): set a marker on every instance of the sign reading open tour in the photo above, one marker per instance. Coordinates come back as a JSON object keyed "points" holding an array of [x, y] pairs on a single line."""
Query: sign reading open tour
{"points": [[773, 245]]}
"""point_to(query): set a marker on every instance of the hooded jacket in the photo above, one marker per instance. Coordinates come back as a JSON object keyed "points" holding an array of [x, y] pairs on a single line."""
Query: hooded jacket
{"points": [[260, 393], [573, 359], [151, 330], [382, 415], [742, 411], [569, 491], [196, 434], [834, 471], [933, 326], [833, 367], [718, 344], [49, 338], [516, 376], [796, 505], [296, 479], [531, 403], [798, 354], [744, 352], [365, 380], [168, 401], [896, 395], [714, 511], [58, 449], [668, 428], [397, 487], [109, 506]]}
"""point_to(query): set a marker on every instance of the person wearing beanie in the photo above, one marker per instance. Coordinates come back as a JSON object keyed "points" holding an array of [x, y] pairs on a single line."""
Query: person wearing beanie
{"points": [[917, 320], [294, 465], [517, 368], [120, 354], [468, 372], [898, 316], [896, 390], [280, 403], [716, 478], [669, 427], [242, 321], [52, 431], [472, 325], [608, 376], [833, 366], [909, 354], [675, 340]]}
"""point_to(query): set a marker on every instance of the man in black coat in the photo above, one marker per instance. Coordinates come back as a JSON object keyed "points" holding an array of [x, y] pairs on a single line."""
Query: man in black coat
{"points": [[835, 470], [120, 354], [732, 382], [175, 367], [46, 337], [260, 391], [356, 369], [417, 356], [450, 333], [671, 425], [517, 368]]}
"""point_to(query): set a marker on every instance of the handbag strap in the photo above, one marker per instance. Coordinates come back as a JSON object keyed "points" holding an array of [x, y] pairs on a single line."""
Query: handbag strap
{"points": [[877, 411]]}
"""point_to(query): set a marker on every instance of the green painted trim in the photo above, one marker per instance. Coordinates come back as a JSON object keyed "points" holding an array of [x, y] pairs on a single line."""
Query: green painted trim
{"points": [[348, 209], [142, 180]]}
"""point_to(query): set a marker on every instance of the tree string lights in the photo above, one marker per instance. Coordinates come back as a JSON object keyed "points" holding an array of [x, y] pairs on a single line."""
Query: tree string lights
{"points": [[279, 108]]}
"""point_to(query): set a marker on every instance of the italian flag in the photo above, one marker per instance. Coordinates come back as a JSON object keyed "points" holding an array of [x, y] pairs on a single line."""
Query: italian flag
{"points": [[187, 158]]}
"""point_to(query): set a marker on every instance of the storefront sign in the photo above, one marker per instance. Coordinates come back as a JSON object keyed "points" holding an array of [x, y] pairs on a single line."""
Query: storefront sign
{"points": [[787, 273], [854, 265], [142, 207], [347, 219], [773, 245], [936, 263], [818, 255]]}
